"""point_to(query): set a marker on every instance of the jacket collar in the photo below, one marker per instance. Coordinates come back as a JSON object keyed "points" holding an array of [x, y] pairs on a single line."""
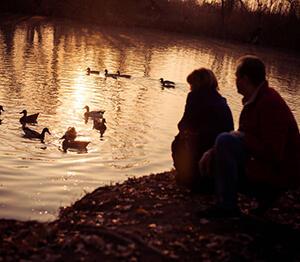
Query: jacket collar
{"points": [[259, 89]]}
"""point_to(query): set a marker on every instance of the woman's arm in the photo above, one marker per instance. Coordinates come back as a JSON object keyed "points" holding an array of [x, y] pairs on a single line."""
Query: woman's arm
{"points": [[185, 122]]}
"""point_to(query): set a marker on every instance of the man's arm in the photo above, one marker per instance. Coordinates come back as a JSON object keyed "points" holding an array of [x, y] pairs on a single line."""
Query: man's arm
{"points": [[273, 131]]}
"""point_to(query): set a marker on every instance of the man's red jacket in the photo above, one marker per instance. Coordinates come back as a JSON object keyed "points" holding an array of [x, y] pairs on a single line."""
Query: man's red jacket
{"points": [[272, 140]]}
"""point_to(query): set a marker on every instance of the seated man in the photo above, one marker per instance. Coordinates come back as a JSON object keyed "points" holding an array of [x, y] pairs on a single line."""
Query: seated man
{"points": [[262, 158]]}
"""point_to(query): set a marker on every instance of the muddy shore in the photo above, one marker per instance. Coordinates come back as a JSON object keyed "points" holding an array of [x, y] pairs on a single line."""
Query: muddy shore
{"points": [[151, 219]]}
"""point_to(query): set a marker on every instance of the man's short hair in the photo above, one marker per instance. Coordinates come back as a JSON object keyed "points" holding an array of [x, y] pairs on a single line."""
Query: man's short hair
{"points": [[253, 68]]}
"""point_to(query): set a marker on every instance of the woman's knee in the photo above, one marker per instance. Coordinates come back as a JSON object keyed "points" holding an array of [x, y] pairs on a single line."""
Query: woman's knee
{"points": [[226, 140]]}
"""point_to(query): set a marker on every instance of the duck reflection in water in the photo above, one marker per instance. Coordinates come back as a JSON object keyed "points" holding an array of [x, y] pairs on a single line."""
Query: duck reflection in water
{"points": [[123, 75], [1, 109], [69, 141], [28, 118], [99, 124], [30, 133]]}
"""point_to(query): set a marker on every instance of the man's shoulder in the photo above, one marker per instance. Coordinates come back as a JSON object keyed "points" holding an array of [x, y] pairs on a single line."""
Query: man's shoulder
{"points": [[271, 101], [271, 96]]}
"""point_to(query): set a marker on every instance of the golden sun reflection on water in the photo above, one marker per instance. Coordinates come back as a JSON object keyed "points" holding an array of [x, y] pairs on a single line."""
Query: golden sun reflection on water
{"points": [[80, 94]]}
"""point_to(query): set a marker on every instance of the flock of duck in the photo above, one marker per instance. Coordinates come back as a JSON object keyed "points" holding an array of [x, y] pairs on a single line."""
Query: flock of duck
{"points": [[69, 138], [164, 83]]}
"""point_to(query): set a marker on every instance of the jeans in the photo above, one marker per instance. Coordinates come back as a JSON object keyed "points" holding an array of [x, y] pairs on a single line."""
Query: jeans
{"points": [[230, 156]]}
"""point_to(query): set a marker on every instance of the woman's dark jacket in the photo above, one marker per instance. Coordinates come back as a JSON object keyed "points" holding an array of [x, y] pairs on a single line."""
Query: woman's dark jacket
{"points": [[206, 114]]}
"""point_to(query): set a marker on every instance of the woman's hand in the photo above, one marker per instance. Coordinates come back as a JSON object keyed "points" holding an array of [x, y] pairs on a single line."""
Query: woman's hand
{"points": [[237, 134], [205, 163]]}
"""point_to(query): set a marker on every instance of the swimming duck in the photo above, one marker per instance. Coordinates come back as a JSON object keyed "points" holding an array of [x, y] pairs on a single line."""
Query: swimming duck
{"points": [[93, 114], [167, 83], [123, 75], [167, 86], [1, 109], [70, 134], [79, 145], [28, 119], [110, 75], [99, 124], [89, 71], [29, 133]]}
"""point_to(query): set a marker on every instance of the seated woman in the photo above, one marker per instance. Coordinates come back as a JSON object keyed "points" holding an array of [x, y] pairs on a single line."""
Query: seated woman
{"points": [[206, 115]]}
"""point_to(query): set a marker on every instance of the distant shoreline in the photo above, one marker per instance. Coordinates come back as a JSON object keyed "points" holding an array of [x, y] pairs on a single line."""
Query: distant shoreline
{"points": [[239, 25]]}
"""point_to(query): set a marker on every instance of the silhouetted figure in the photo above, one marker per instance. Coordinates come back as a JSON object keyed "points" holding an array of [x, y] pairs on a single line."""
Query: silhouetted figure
{"points": [[70, 134], [99, 124], [70, 142], [255, 37], [106, 74], [167, 83], [89, 71], [28, 118], [92, 114], [30, 133], [206, 115], [262, 158], [1, 109], [77, 145], [154, 6]]}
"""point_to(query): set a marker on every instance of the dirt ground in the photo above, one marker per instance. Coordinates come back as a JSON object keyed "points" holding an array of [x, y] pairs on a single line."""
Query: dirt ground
{"points": [[151, 219]]}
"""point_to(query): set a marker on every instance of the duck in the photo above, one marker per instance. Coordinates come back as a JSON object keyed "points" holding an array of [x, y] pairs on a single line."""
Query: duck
{"points": [[74, 144], [28, 119], [29, 133], [89, 71], [109, 74], [167, 83], [99, 124], [93, 114], [167, 86], [70, 134], [1, 109], [123, 75]]}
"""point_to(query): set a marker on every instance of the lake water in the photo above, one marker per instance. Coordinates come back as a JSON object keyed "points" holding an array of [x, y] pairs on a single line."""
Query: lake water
{"points": [[42, 69]]}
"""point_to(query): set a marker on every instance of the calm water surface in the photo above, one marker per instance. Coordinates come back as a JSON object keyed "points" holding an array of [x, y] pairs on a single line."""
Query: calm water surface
{"points": [[42, 69]]}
